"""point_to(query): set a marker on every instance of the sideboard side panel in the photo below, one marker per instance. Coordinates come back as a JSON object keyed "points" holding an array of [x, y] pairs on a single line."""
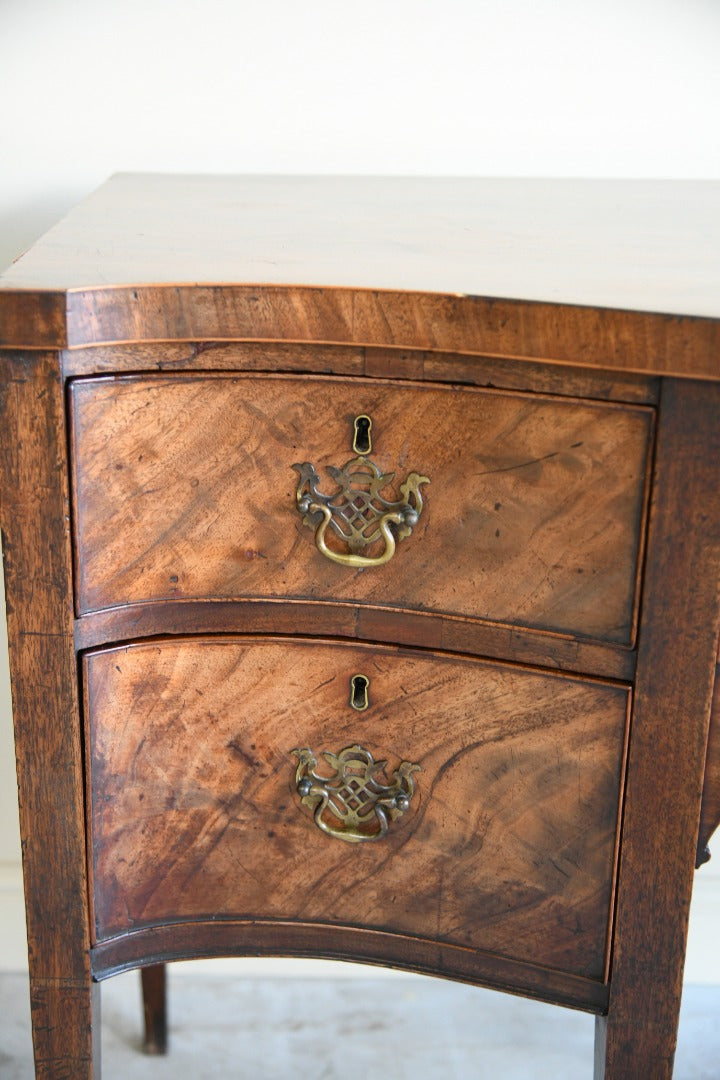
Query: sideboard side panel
{"points": [[669, 730], [36, 540]]}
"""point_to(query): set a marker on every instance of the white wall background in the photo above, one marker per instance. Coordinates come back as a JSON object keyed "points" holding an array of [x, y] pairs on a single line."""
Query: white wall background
{"points": [[618, 88]]}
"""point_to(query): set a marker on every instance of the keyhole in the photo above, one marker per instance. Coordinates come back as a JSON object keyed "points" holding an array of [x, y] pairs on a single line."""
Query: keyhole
{"points": [[362, 443], [359, 685]]}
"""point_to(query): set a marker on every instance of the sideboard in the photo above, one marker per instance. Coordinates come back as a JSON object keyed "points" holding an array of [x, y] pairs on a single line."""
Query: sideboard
{"points": [[362, 552]]}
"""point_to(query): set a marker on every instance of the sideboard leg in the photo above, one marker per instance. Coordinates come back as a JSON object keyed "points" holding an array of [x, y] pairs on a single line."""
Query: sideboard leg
{"points": [[66, 1029], [35, 522], [154, 992], [620, 1051], [668, 739]]}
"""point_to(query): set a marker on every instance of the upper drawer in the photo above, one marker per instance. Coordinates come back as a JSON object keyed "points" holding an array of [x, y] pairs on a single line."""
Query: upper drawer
{"points": [[533, 513]]}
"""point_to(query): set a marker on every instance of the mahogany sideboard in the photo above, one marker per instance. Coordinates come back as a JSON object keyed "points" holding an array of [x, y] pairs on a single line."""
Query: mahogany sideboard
{"points": [[362, 550]]}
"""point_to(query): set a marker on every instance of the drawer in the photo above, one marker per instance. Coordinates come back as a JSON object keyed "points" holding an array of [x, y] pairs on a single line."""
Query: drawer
{"points": [[502, 840], [184, 488]]}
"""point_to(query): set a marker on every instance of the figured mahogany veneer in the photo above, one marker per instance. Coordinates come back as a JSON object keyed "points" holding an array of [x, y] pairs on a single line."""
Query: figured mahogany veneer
{"points": [[513, 824], [534, 516], [544, 643]]}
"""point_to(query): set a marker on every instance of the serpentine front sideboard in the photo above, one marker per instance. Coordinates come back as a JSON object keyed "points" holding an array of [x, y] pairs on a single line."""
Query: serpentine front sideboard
{"points": [[362, 550]]}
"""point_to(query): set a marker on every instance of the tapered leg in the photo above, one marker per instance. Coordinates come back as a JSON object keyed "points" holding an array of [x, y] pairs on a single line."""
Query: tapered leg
{"points": [[66, 1029], [620, 1051], [154, 992], [35, 522], [671, 711]]}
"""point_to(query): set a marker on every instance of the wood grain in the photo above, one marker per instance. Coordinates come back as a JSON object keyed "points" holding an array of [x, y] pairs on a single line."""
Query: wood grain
{"points": [[388, 363], [360, 623], [258, 937], [534, 514], [154, 993], [36, 318], [673, 692], [38, 579], [579, 336], [509, 845], [507, 338], [612, 275]]}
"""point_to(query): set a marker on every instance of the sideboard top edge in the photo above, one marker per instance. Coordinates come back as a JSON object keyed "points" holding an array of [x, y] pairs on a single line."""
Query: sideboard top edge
{"points": [[612, 339]]}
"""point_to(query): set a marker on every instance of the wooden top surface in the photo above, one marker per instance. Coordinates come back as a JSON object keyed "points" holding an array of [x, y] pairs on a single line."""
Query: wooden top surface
{"points": [[649, 246], [617, 275]]}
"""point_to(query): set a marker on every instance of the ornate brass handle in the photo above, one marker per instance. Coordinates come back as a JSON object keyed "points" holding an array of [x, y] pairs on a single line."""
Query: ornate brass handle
{"points": [[353, 804], [357, 512]]}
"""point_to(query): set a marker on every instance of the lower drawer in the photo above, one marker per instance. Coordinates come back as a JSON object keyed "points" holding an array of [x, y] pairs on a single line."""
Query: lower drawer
{"points": [[503, 839]]}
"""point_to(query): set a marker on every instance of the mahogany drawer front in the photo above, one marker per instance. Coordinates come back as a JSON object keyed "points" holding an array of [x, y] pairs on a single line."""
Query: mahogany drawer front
{"points": [[533, 515], [508, 844]]}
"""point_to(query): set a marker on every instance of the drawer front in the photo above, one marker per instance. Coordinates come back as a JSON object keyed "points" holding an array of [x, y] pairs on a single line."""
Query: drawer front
{"points": [[505, 840], [532, 516]]}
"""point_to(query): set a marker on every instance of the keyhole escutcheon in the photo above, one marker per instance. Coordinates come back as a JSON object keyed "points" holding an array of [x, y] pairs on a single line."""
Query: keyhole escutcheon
{"points": [[362, 443], [359, 687]]}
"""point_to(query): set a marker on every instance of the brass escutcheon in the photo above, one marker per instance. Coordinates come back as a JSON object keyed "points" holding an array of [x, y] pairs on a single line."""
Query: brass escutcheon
{"points": [[362, 438], [353, 804], [359, 692]]}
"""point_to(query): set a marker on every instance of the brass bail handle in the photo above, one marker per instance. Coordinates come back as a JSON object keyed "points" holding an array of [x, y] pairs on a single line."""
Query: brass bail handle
{"points": [[357, 512], [353, 803]]}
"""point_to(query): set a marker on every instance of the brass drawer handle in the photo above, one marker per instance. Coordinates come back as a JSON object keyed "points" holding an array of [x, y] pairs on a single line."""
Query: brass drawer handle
{"points": [[357, 512], [353, 804]]}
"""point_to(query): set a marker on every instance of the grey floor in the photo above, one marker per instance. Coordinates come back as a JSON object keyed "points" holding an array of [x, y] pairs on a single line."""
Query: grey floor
{"points": [[408, 1028]]}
